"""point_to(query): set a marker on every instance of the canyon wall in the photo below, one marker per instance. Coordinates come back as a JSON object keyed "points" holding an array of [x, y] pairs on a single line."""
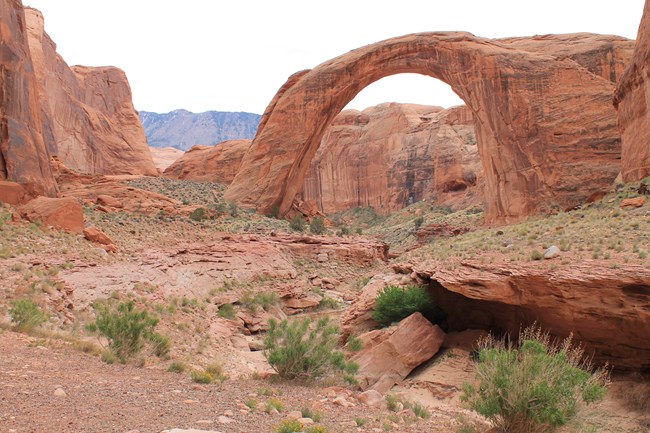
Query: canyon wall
{"points": [[89, 121]]}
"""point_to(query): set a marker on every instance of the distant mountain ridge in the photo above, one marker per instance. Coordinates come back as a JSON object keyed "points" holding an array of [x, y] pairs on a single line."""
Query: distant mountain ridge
{"points": [[183, 129]]}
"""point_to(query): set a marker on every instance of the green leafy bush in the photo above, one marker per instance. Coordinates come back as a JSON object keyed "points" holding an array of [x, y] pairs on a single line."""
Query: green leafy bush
{"points": [[26, 314], [298, 349], [417, 223], [127, 329], [317, 226], [199, 214], [396, 303], [289, 426], [533, 386], [227, 311]]}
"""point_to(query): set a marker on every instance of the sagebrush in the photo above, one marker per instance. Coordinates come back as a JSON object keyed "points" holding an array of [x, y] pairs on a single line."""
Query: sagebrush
{"points": [[306, 350], [534, 386], [396, 303], [26, 314]]}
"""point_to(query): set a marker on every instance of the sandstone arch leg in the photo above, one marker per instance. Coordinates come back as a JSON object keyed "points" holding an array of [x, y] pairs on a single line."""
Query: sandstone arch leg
{"points": [[545, 125]]}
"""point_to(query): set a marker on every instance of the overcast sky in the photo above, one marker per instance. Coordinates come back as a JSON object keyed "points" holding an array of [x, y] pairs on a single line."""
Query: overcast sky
{"points": [[233, 55]]}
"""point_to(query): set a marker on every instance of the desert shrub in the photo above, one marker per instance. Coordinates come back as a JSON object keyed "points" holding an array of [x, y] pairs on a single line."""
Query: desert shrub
{"points": [[177, 367], [199, 214], [297, 224], [199, 376], [298, 349], [316, 429], [273, 403], [26, 314], [314, 415], [420, 411], [127, 329], [396, 303], [355, 344], [536, 255], [211, 373], [418, 222], [317, 226], [289, 426], [227, 311], [533, 386]]}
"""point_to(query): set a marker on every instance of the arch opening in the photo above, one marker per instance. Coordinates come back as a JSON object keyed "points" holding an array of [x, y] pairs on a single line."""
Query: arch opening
{"points": [[526, 102]]}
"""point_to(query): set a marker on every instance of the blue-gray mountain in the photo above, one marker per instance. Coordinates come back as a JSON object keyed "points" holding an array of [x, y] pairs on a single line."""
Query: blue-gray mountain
{"points": [[183, 129]]}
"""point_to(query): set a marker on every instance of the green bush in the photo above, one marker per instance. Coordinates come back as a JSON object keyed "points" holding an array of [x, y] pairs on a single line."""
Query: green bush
{"points": [[26, 314], [533, 386], [298, 349], [177, 367], [199, 214], [289, 426], [317, 226], [396, 303], [127, 329], [227, 311], [418, 222], [297, 224]]}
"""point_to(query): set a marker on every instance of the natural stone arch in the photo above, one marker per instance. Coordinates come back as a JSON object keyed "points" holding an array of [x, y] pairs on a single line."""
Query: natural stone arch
{"points": [[545, 125]]}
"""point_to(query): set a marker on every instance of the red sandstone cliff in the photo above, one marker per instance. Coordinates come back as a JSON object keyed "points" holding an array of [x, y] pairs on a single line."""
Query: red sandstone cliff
{"points": [[89, 119], [24, 157], [218, 163], [632, 99], [392, 155]]}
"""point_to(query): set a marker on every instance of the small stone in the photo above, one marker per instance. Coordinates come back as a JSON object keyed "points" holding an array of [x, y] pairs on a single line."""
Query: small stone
{"points": [[227, 413], [551, 252], [225, 420], [322, 257], [295, 414], [59, 392], [305, 421], [341, 401]]}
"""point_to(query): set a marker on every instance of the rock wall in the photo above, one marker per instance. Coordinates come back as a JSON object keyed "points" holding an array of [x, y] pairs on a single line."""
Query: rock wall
{"points": [[544, 123], [632, 99], [392, 155], [89, 119], [24, 157], [210, 163]]}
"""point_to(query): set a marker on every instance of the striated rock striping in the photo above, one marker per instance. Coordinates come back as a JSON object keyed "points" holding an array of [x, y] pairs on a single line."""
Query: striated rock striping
{"points": [[24, 157], [545, 128], [89, 121], [632, 99]]}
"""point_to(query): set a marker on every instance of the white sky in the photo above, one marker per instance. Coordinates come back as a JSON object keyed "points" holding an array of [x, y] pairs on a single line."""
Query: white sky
{"points": [[233, 55]]}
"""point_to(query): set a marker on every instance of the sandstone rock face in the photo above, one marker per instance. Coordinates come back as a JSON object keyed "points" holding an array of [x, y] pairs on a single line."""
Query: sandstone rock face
{"points": [[61, 213], [632, 99], [218, 163], [545, 127], [393, 155], [394, 352], [24, 157], [88, 114], [11, 192], [607, 309], [163, 157]]}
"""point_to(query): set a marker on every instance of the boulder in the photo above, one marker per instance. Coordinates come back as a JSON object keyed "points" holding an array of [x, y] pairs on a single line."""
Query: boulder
{"points": [[61, 213], [11, 192], [93, 234], [402, 348], [633, 202]]}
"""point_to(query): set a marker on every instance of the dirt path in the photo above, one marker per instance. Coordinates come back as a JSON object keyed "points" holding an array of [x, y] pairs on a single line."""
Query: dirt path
{"points": [[124, 398]]}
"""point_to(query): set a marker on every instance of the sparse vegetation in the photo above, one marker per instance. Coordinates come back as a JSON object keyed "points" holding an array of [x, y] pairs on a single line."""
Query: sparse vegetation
{"points": [[227, 311], [297, 224], [533, 386], [289, 426], [273, 403], [177, 367], [300, 349], [127, 329], [26, 315], [317, 226]]}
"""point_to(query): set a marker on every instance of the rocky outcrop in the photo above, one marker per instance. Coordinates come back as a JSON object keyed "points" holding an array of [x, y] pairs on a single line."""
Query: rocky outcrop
{"points": [[393, 155], [545, 127], [218, 163], [88, 117], [61, 213], [632, 99], [24, 157], [183, 129], [606, 308], [389, 355], [163, 157]]}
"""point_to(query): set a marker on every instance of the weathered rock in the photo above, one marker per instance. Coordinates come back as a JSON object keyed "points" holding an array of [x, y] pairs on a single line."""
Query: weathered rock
{"points": [[93, 234], [551, 252], [217, 163], [632, 100], [373, 398], [544, 125], [24, 157], [61, 213], [11, 192], [393, 155], [89, 119], [607, 309], [633, 202], [163, 157], [401, 348]]}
